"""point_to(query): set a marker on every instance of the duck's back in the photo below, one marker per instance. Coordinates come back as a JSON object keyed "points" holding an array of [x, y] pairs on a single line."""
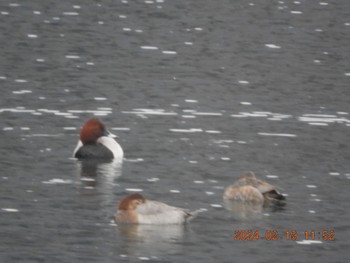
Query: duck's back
{"points": [[244, 193], [153, 212]]}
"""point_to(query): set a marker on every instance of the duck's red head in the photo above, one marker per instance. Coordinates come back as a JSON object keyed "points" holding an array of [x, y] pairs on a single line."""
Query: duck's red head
{"points": [[92, 130], [130, 202]]}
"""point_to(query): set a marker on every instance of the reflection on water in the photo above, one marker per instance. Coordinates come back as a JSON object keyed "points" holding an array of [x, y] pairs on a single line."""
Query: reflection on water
{"points": [[152, 240], [243, 211], [100, 173], [97, 177], [151, 234]]}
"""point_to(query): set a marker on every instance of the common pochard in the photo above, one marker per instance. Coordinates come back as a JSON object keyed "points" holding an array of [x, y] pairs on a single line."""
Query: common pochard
{"points": [[97, 142], [135, 209]]}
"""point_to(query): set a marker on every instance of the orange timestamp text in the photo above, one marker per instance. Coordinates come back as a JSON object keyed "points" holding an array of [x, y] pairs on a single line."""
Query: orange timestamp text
{"points": [[275, 235]]}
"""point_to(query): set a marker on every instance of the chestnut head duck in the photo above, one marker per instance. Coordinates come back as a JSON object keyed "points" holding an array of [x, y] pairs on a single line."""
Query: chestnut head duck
{"points": [[135, 209], [97, 142]]}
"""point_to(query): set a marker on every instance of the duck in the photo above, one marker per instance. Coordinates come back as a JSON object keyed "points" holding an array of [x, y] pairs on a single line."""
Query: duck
{"points": [[250, 189], [135, 209], [96, 142]]}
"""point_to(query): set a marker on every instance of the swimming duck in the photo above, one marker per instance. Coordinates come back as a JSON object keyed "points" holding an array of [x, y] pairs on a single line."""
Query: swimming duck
{"points": [[252, 190], [135, 209], [97, 142]]}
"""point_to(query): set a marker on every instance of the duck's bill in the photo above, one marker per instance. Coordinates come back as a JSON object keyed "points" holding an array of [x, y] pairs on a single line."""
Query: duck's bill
{"points": [[112, 135]]}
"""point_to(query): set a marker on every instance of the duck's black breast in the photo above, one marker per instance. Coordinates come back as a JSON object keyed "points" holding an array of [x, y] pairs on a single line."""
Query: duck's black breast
{"points": [[94, 151]]}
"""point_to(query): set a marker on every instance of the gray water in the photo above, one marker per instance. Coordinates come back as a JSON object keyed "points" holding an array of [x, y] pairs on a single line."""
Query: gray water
{"points": [[198, 92]]}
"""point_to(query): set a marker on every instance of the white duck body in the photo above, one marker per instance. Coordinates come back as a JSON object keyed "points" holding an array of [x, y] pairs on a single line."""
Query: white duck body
{"points": [[135, 209], [154, 212]]}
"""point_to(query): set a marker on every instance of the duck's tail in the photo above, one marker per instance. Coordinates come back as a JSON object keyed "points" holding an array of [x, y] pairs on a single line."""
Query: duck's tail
{"points": [[273, 197], [192, 214]]}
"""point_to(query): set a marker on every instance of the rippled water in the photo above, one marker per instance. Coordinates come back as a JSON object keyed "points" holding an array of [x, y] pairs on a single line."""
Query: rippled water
{"points": [[198, 92]]}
